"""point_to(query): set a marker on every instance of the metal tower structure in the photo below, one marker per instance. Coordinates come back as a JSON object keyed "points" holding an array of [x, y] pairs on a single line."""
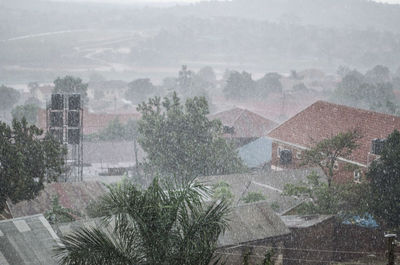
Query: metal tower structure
{"points": [[65, 122]]}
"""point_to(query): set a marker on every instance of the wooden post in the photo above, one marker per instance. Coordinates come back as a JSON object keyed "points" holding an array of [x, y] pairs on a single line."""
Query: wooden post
{"points": [[390, 246]]}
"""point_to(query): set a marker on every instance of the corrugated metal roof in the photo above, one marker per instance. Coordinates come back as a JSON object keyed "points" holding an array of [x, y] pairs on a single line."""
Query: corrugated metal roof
{"points": [[252, 222], [75, 196], [303, 221], [27, 240]]}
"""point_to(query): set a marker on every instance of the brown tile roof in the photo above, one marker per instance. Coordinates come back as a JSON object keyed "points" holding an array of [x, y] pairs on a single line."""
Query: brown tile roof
{"points": [[73, 195], [323, 120], [247, 124]]}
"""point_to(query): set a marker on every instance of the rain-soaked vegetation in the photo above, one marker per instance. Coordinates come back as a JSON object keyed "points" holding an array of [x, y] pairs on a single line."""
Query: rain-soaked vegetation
{"points": [[199, 132]]}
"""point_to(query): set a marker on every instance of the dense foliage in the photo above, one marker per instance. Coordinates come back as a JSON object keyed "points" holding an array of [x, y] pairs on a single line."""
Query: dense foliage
{"points": [[181, 141], [374, 90], [8, 97], [345, 199], [27, 161], [27, 111], [384, 183], [253, 196], [164, 224], [139, 90]]}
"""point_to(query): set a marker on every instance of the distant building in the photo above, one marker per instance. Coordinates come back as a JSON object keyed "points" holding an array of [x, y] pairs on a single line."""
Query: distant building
{"points": [[243, 126], [323, 120]]}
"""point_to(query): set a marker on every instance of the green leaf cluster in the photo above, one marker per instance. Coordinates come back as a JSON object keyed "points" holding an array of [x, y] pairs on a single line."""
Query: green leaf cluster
{"points": [[8, 97], [222, 191], [253, 196], [60, 214], [384, 183], [346, 199], [167, 223], [27, 161], [326, 152], [27, 111]]}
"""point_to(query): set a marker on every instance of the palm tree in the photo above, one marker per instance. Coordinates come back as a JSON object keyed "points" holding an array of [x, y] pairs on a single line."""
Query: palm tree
{"points": [[164, 224]]}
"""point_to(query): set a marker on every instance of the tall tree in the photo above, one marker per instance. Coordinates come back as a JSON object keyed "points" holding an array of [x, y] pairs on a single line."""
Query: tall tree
{"points": [[8, 97], [384, 181], [268, 84], [29, 111], [27, 161], [239, 85], [139, 90], [326, 153], [70, 85], [164, 224], [179, 139]]}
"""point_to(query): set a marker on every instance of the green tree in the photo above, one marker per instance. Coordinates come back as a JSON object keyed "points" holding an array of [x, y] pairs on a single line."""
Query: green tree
{"points": [[139, 90], [222, 191], [8, 97], [27, 161], [326, 153], [253, 196], [70, 85], [384, 182], [181, 141], [164, 224], [348, 199], [270, 83], [239, 85], [29, 111], [60, 214]]}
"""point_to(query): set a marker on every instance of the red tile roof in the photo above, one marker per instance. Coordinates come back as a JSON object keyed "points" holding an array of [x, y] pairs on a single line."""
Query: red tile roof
{"points": [[247, 124], [323, 120]]}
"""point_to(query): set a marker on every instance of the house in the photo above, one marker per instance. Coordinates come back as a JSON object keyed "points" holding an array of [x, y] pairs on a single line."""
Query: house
{"points": [[323, 120], [27, 240], [72, 195], [243, 126]]}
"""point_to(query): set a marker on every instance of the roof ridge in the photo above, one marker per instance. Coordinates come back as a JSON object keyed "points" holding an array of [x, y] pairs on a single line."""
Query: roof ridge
{"points": [[354, 108], [240, 115]]}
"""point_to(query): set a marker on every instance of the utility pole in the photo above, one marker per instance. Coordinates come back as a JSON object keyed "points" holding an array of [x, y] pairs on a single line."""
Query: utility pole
{"points": [[390, 246]]}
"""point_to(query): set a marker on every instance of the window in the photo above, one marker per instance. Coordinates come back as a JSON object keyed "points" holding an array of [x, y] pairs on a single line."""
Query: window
{"points": [[278, 151], [357, 176]]}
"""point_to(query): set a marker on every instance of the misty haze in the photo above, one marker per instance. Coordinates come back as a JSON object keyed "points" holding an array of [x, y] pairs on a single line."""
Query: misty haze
{"points": [[163, 132]]}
